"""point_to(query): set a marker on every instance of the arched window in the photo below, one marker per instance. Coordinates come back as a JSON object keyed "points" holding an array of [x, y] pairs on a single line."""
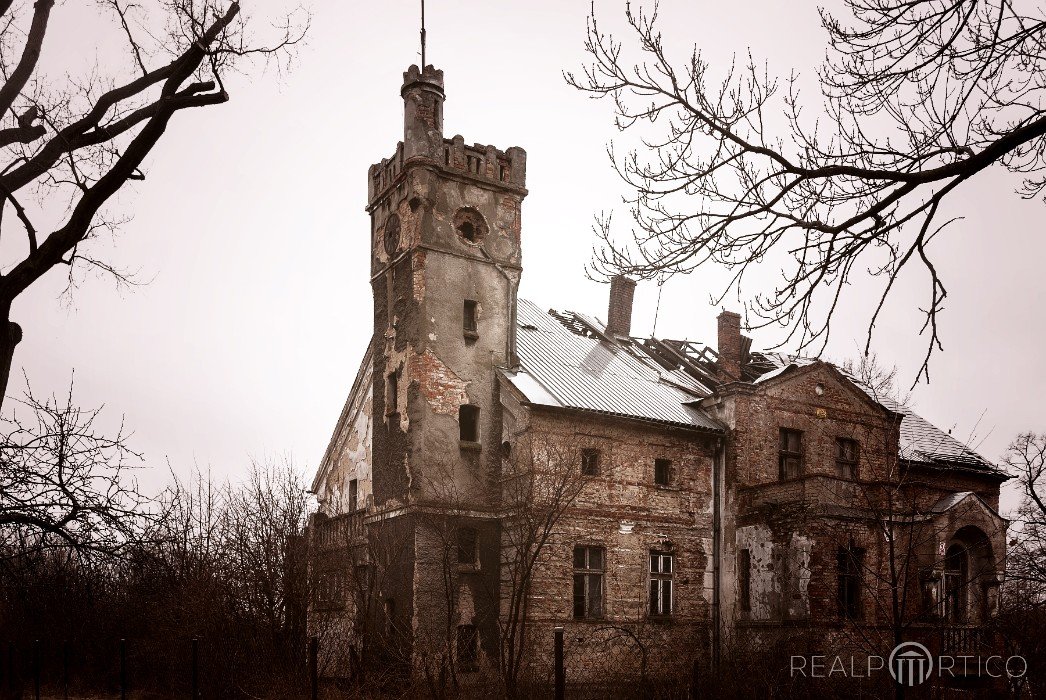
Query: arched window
{"points": [[956, 577]]}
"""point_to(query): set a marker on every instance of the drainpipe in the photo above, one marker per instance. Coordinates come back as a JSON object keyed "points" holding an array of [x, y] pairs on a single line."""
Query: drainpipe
{"points": [[718, 468]]}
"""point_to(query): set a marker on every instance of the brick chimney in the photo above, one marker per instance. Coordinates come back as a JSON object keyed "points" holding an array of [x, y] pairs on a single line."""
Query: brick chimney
{"points": [[730, 345], [619, 314]]}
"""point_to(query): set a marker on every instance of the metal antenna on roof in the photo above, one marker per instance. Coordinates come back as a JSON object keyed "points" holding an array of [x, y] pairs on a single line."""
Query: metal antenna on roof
{"points": [[657, 309], [422, 34]]}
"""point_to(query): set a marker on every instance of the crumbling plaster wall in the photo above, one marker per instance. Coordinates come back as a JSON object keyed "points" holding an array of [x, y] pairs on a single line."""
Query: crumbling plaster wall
{"points": [[350, 457]]}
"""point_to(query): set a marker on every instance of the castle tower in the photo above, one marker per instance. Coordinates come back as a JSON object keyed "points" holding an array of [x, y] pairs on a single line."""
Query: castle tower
{"points": [[445, 266]]}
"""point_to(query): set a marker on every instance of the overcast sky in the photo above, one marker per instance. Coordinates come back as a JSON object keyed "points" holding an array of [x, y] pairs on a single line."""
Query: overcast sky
{"points": [[251, 233]]}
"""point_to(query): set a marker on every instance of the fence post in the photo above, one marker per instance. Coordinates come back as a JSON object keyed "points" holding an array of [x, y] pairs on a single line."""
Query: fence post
{"points": [[195, 682], [561, 676], [36, 669], [123, 669], [65, 669], [314, 670], [12, 671]]}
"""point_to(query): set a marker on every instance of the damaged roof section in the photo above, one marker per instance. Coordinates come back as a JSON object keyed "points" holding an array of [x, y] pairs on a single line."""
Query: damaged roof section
{"points": [[568, 360]]}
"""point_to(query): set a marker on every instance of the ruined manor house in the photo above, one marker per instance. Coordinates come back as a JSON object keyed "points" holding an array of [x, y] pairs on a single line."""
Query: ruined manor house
{"points": [[712, 492]]}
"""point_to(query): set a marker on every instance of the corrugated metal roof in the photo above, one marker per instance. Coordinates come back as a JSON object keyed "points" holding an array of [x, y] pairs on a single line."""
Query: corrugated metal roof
{"points": [[563, 368]]}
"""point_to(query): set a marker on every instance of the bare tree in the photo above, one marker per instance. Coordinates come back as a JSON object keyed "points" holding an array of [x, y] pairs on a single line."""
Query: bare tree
{"points": [[1026, 459], [77, 142], [64, 482], [919, 97], [541, 482]]}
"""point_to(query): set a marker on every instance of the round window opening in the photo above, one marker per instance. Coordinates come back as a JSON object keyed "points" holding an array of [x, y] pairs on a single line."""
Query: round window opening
{"points": [[470, 225]]}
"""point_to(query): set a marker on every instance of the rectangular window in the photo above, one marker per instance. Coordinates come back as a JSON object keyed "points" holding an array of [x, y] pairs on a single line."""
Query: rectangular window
{"points": [[791, 457], [849, 576], [661, 571], [467, 546], [392, 394], [662, 472], [846, 455], [589, 565], [744, 579], [354, 495], [468, 319], [468, 648], [590, 462], [468, 422]]}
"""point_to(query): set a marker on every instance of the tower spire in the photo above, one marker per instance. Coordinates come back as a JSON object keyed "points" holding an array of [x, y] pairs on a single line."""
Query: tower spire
{"points": [[423, 34]]}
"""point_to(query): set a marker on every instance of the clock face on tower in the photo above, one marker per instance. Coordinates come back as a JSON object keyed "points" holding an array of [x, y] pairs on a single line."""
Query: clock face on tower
{"points": [[392, 234]]}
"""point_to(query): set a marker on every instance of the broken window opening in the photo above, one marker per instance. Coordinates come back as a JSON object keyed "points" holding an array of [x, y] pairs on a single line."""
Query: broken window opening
{"points": [[744, 579], [849, 575], [590, 462], [791, 455], [954, 580], [469, 319], [467, 231], [392, 394], [846, 456], [468, 422], [468, 648], [468, 546], [588, 582], [661, 573], [663, 472], [354, 492]]}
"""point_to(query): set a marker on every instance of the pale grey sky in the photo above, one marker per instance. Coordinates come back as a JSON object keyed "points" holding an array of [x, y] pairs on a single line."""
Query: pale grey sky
{"points": [[252, 231]]}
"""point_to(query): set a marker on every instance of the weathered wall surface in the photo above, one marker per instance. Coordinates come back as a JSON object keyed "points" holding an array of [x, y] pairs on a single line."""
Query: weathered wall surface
{"points": [[349, 455]]}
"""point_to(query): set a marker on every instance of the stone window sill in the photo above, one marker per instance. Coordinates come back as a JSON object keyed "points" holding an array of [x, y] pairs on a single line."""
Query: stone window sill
{"points": [[471, 335], [471, 446]]}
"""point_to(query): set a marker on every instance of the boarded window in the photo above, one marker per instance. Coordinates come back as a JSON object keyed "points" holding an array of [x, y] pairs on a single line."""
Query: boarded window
{"points": [[354, 495], [848, 566], [662, 472], [744, 579], [661, 573], [468, 546], [846, 455], [469, 323], [791, 456], [590, 462], [468, 648], [468, 422], [589, 565]]}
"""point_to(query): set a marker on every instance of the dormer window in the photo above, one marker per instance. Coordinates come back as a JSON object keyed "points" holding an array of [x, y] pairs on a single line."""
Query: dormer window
{"points": [[790, 458]]}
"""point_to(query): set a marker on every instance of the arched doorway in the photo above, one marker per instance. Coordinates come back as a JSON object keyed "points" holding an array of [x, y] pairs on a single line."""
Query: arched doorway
{"points": [[968, 573]]}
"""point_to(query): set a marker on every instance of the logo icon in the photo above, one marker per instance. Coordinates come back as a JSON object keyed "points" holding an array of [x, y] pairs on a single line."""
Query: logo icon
{"points": [[910, 663]]}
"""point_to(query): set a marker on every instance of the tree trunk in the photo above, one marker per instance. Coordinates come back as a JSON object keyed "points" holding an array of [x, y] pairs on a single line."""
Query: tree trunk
{"points": [[10, 336]]}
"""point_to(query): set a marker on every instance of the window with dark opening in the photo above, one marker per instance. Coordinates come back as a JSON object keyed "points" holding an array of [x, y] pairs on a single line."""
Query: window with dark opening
{"points": [[354, 495], [791, 456], [468, 422], [468, 648], [590, 462], [662, 472], [467, 231], [849, 575], [744, 579], [661, 572], [468, 319], [468, 550], [956, 567], [846, 458], [393, 393], [588, 582]]}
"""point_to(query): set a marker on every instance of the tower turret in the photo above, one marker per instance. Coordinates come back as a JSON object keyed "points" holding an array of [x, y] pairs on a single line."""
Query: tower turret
{"points": [[423, 98]]}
